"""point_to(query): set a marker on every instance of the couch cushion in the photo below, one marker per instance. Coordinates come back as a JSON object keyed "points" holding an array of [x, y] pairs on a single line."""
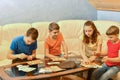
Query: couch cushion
{"points": [[5, 62], [71, 28], [42, 29], [73, 44], [4, 47], [40, 49], [10, 31]]}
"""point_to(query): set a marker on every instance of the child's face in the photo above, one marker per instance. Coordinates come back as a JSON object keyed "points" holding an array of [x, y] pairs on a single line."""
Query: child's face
{"points": [[88, 31], [54, 34], [113, 38], [28, 40]]}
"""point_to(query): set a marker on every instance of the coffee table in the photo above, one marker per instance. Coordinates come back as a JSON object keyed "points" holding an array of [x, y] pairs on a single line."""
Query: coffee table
{"points": [[5, 76]]}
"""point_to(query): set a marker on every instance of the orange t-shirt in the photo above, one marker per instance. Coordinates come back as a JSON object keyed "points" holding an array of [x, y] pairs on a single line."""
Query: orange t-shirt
{"points": [[54, 46]]}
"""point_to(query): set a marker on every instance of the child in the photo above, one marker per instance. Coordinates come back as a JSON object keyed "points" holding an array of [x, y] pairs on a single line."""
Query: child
{"points": [[23, 48], [91, 42], [54, 42], [112, 59]]}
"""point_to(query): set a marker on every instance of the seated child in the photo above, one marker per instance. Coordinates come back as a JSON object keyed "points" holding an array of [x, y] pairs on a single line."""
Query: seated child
{"points": [[91, 43], [111, 64], [23, 48], [54, 41]]}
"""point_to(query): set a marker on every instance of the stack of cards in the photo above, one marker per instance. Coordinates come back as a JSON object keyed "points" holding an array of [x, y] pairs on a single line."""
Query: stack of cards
{"points": [[25, 68], [50, 69], [91, 65]]}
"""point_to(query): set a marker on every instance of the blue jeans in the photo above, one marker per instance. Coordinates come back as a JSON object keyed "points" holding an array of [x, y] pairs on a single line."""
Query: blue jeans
{"points": [[105, 72]]}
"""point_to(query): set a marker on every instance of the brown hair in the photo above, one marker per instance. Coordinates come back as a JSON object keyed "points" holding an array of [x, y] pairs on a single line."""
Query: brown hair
{"points": [[33, 33], [53, 26], [113, 30], [94, 35]]}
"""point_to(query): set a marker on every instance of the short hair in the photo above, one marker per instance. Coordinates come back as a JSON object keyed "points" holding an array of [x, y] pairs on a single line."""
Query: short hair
{"points": [[33, 33], [113, 30], [53, 26]]}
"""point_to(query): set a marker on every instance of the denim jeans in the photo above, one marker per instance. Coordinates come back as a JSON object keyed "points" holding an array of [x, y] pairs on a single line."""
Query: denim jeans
{"points": [[105, 72]]}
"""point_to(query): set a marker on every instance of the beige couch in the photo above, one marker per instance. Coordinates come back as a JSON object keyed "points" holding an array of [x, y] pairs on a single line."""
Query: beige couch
{"points": [[71, 30]]}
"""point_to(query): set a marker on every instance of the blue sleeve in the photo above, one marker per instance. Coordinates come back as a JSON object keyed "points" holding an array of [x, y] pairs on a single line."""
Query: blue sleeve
{"points": [[13, 45], [35, 45]]}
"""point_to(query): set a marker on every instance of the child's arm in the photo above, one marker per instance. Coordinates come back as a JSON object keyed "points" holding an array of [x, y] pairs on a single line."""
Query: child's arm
{"points": [[31, 57], [65, 48], [48, 55], [101, 53], [12, 56], [82, 51], [99, 47]]}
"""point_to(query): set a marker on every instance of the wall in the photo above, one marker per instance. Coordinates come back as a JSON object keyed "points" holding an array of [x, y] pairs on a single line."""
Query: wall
{"points": [[108, 15], [15, 11]]}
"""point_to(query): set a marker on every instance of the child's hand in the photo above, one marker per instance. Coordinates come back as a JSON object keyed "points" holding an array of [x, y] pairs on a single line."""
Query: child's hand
{"points": [[65, 56], [92, 58], [29, 57], [96, 54], [54, 57], [22, 56], [105, 59], [86, 61]]}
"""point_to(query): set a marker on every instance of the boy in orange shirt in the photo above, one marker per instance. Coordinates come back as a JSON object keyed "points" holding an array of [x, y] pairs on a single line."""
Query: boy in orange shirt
{"points": [[54, 41]]}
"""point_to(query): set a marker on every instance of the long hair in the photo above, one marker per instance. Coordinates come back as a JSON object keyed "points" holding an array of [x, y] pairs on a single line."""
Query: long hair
{"points": [[94, 35]]}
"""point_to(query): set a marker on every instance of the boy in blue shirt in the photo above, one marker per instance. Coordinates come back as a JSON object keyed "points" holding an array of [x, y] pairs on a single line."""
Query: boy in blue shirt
{"points": [[23, 48]]}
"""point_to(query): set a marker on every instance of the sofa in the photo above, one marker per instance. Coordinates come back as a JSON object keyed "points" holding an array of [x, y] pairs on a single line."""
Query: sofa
{"points": [[71, 30]]}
